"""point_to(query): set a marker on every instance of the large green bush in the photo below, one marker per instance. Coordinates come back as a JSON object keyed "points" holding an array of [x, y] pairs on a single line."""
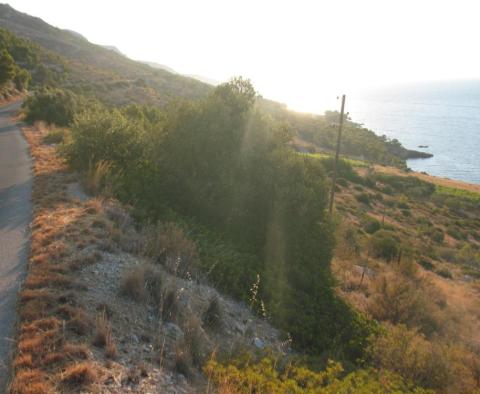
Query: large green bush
{"points": [[53, 106]]}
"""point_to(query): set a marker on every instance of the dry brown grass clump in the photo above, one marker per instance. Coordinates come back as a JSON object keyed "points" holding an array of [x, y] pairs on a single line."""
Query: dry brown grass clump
{"points": [[168, 244], [142, 283], [48, 332], [103, 331], [31, 381], [103, 336], [79, 374]]}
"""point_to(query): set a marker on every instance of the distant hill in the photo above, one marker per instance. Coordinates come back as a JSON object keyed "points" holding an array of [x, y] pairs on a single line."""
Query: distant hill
{"points": [[76, 34], [160, 66], [208, 80], [200, 78], [113, 48], [102, 71]]}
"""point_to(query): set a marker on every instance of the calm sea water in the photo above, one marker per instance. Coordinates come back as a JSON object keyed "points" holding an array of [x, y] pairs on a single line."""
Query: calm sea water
{"points": [[443, 116]]}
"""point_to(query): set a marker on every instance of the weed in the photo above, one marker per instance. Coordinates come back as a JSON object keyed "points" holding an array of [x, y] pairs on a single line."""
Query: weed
{"points": [[132, 284], [79, 374], [103, 331], [212, 317]]}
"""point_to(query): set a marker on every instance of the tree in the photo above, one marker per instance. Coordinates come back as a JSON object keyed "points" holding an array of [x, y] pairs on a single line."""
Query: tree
{"points": [[22, 79], [7, 67]]}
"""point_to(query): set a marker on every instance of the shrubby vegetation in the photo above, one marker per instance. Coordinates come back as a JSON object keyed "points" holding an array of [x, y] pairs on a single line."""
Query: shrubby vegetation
{"points": [[274, 375], [22, 62], [227, 166], [321, 130], [54, 106]]}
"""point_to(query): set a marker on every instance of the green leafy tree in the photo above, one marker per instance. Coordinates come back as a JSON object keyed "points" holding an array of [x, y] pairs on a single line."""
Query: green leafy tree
{"points": [[22, 79], [7, 67]]}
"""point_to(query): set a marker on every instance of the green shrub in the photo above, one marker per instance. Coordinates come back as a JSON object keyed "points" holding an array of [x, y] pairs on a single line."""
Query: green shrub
{"points": [[431, 365], [437, 235], [363, 198], [56, 136], [371, 224], [408, 185], [344, 169], [444, 273], [426, 264], [456, 232], [273, 375], [406, 213], [53, 106], [383, 244]]}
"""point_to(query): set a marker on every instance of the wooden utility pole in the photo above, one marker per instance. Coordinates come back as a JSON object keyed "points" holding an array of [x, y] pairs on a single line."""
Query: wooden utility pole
{"points": [[337, 153]]}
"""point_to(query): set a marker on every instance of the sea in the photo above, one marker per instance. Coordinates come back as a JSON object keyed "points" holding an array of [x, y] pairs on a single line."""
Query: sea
{"points": [[441, 118]]}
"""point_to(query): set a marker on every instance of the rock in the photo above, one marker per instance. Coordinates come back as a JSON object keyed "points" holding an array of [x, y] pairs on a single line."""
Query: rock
{"points": [[134, 338], [240, 328], [259, 344], [173, 331]]}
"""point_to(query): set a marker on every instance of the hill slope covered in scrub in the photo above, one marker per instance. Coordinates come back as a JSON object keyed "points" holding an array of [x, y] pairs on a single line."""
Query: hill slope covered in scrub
{"points": [[249, 218], [207, 229], [115, 79]]}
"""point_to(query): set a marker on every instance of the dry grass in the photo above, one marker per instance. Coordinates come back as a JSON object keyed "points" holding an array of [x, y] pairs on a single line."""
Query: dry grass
{"points": [[133, 284], [50, 325], [166, 243], [143, 283], [31, 381], [79, 374], [103, 331]]}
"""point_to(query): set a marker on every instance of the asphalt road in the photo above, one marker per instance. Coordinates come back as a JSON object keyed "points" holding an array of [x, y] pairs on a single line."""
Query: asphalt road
{"points": [[15, 216]]}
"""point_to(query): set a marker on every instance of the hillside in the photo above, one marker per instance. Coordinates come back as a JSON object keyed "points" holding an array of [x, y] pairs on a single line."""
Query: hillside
{"points": [[93, 68], [189, 247], [118, 80]]}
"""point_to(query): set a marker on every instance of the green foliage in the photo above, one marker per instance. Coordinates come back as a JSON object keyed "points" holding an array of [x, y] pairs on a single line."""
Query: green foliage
{"points": [[426, 264], [344, 168], [53, 106], [364, 198], [370, 224], [408, 185], [383, 244], [228, 166], [444, 273], [357, 141], [270, 375], [460, 193], [432, 365], [55, 136], [7, 67], [469, 255], [437, 235], [22, 78], [456, 232], [31, 62]]}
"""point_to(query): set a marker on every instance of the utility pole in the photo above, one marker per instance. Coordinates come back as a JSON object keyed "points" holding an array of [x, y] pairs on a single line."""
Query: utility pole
{"points": [[337, 153]]}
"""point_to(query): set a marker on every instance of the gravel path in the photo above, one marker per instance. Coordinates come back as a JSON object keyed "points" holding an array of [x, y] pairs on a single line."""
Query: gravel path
{"points": [[15, 216]]}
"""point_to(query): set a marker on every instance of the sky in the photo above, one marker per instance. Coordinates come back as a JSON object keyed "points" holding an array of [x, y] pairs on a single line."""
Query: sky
{"points": [[302, 53]]}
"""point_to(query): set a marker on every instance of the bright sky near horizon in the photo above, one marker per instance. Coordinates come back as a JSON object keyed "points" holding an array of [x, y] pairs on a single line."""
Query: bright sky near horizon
{"points": [[299, 52]]}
